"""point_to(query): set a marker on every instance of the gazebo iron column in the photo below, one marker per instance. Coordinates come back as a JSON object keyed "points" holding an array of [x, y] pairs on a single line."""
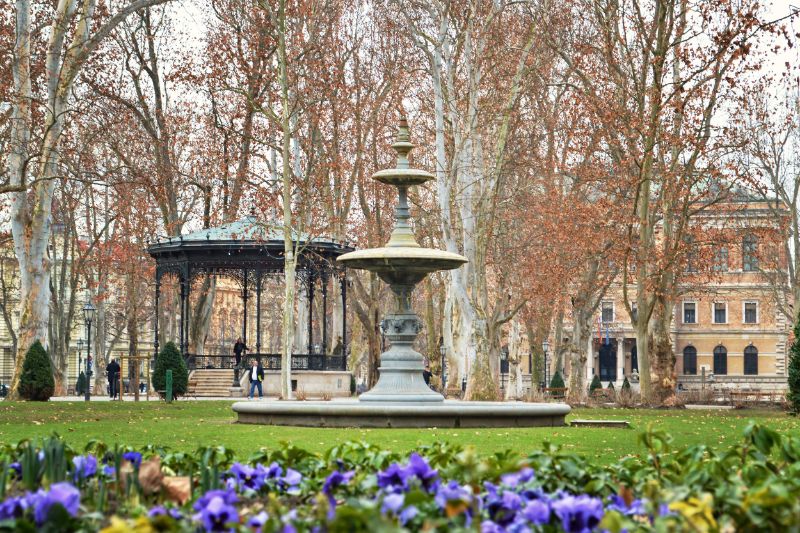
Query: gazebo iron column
{"points": [[187, 306], [156, 313], [310, 292], [244, 306], [182, 282], [324, 283], [258, 311], [343, 281]]}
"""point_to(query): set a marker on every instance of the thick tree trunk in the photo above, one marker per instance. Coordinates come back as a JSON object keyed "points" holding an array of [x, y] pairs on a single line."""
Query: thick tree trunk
{"points": [[201, 315], [577, 349], [663, 360]]}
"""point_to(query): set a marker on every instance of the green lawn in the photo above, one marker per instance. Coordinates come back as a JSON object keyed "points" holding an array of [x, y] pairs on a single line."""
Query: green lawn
{"points": [[186, 425]]}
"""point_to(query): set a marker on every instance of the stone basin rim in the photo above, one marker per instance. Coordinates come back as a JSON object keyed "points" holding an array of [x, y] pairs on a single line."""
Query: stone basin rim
{"points": [[397, 253], [410, 409]]}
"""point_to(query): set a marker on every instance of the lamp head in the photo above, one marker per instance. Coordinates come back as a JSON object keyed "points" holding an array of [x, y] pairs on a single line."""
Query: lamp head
{"points": [[89, 311]]}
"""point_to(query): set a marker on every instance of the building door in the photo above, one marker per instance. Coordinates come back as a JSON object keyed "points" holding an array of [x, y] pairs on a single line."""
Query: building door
{"points": [[720, 360], [608, 361], [634, 358], [751, 361]]}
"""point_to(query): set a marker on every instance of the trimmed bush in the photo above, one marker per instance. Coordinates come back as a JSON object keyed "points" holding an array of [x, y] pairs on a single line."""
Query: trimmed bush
{"points": [[170, 359], [80, 387], [557, 382], [595, 384], [793, 395], [610, 385], [626, 385], [36, 382]]}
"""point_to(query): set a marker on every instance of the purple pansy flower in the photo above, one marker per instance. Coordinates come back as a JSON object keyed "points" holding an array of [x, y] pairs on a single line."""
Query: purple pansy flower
{"points": [[617, 503], [16, 468], [394, 478], [513, 479], [85, 466], [537, 512], [578, 514], [228, 496], [160, 510], [408, 514], [257, 521], [452, 492], [419, 467], [335, 479], [247, 477], [503, 509], [14, 507], [215, 509], [134, 457], [393, 503], [63, 494]]}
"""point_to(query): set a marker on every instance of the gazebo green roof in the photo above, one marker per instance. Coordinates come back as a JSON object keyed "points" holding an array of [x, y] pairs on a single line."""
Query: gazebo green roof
{"points": [[247, 229]]}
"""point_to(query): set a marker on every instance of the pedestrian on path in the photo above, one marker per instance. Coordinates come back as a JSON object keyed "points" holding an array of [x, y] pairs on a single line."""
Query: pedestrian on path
{"points": [[113, 378], [239, 348], [256, 377]]}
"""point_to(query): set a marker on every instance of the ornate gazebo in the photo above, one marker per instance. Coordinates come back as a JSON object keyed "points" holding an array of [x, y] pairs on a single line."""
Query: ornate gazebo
{"points": [[248, 251]]}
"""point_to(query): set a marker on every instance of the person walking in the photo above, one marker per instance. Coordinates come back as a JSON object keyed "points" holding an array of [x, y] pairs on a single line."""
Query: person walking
{"points": [[112, 369], [238, 349], [256, 377]]}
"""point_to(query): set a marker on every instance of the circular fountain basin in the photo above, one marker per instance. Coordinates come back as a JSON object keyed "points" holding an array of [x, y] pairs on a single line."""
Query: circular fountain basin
{"points": [[404, 177], [404, 261], [447, 414]]}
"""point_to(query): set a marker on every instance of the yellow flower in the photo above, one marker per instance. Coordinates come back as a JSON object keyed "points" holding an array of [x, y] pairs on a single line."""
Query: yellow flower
{"points": [[698, 512]]}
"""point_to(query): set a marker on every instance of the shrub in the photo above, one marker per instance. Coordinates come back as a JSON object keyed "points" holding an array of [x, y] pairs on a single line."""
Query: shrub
{"points": [[626, 385], [557, 382], [595, 384], [793, 395], [36, 382], [80, 387], [170, 359], [352, 385], [610, 385]]}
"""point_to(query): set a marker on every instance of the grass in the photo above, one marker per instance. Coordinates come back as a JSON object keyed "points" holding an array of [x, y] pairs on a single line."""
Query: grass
{"points": [[187, 425]]}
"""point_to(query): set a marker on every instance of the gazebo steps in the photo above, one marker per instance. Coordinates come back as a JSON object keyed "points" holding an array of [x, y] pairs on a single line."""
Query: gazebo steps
{"points": [[210, 382]]}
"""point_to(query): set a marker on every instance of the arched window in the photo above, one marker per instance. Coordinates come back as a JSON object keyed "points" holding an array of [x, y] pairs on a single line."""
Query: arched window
{"points": [[750, 253], [720, 360], [690, 360], [751, 361]]}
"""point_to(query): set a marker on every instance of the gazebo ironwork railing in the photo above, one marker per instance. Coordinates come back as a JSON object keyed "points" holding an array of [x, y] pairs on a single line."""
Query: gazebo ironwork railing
{"points": [[269, 361]]}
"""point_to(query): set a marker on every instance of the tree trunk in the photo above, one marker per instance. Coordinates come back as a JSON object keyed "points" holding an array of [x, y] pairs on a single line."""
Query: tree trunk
{"points": [[663, 366]]}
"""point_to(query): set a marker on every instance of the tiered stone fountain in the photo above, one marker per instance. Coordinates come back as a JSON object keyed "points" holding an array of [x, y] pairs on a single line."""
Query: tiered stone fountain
{"points": [[401, 398]]}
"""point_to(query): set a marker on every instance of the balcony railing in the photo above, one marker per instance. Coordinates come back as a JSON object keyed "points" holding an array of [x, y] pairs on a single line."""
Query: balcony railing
{"points": [[270, 361]]}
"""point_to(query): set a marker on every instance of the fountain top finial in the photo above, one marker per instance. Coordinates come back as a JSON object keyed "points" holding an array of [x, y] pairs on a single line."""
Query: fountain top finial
{"points": [[402, 143]]}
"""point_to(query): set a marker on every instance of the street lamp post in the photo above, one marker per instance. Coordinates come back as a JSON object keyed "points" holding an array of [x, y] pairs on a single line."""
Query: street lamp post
{"points": [[443, 353], [88, 317]]}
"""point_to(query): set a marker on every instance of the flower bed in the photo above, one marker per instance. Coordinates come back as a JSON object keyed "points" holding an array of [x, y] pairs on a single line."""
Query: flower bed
{"points": [[356, 487]]}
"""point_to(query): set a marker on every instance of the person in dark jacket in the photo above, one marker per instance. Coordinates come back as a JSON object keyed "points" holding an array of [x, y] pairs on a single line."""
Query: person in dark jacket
{"points": [[238, 349], [426, 374], [113, 378], [256, 376]]}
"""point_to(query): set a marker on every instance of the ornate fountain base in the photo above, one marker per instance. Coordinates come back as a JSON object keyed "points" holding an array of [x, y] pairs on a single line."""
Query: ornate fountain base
{"points": [[446, 414]]}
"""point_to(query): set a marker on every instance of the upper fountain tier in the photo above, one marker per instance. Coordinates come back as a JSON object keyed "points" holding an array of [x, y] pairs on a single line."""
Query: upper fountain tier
{"points": [[402, 260]]}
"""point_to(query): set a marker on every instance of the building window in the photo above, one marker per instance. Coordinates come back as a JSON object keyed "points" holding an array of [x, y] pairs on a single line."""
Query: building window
{"points": [[721, 259], [720, 313], [689, 313], [750, 253], [720, 360], [634, 311], [690, 360], [751, 361], [751, 312], [608, 312]]}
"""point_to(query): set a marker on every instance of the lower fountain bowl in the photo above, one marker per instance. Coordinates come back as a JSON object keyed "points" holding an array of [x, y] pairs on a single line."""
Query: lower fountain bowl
{"points": [[447, 414]]}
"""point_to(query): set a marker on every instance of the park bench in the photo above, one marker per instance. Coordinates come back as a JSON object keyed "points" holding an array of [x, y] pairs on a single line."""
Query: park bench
{"points": [[753, 396], [555, 392]]}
